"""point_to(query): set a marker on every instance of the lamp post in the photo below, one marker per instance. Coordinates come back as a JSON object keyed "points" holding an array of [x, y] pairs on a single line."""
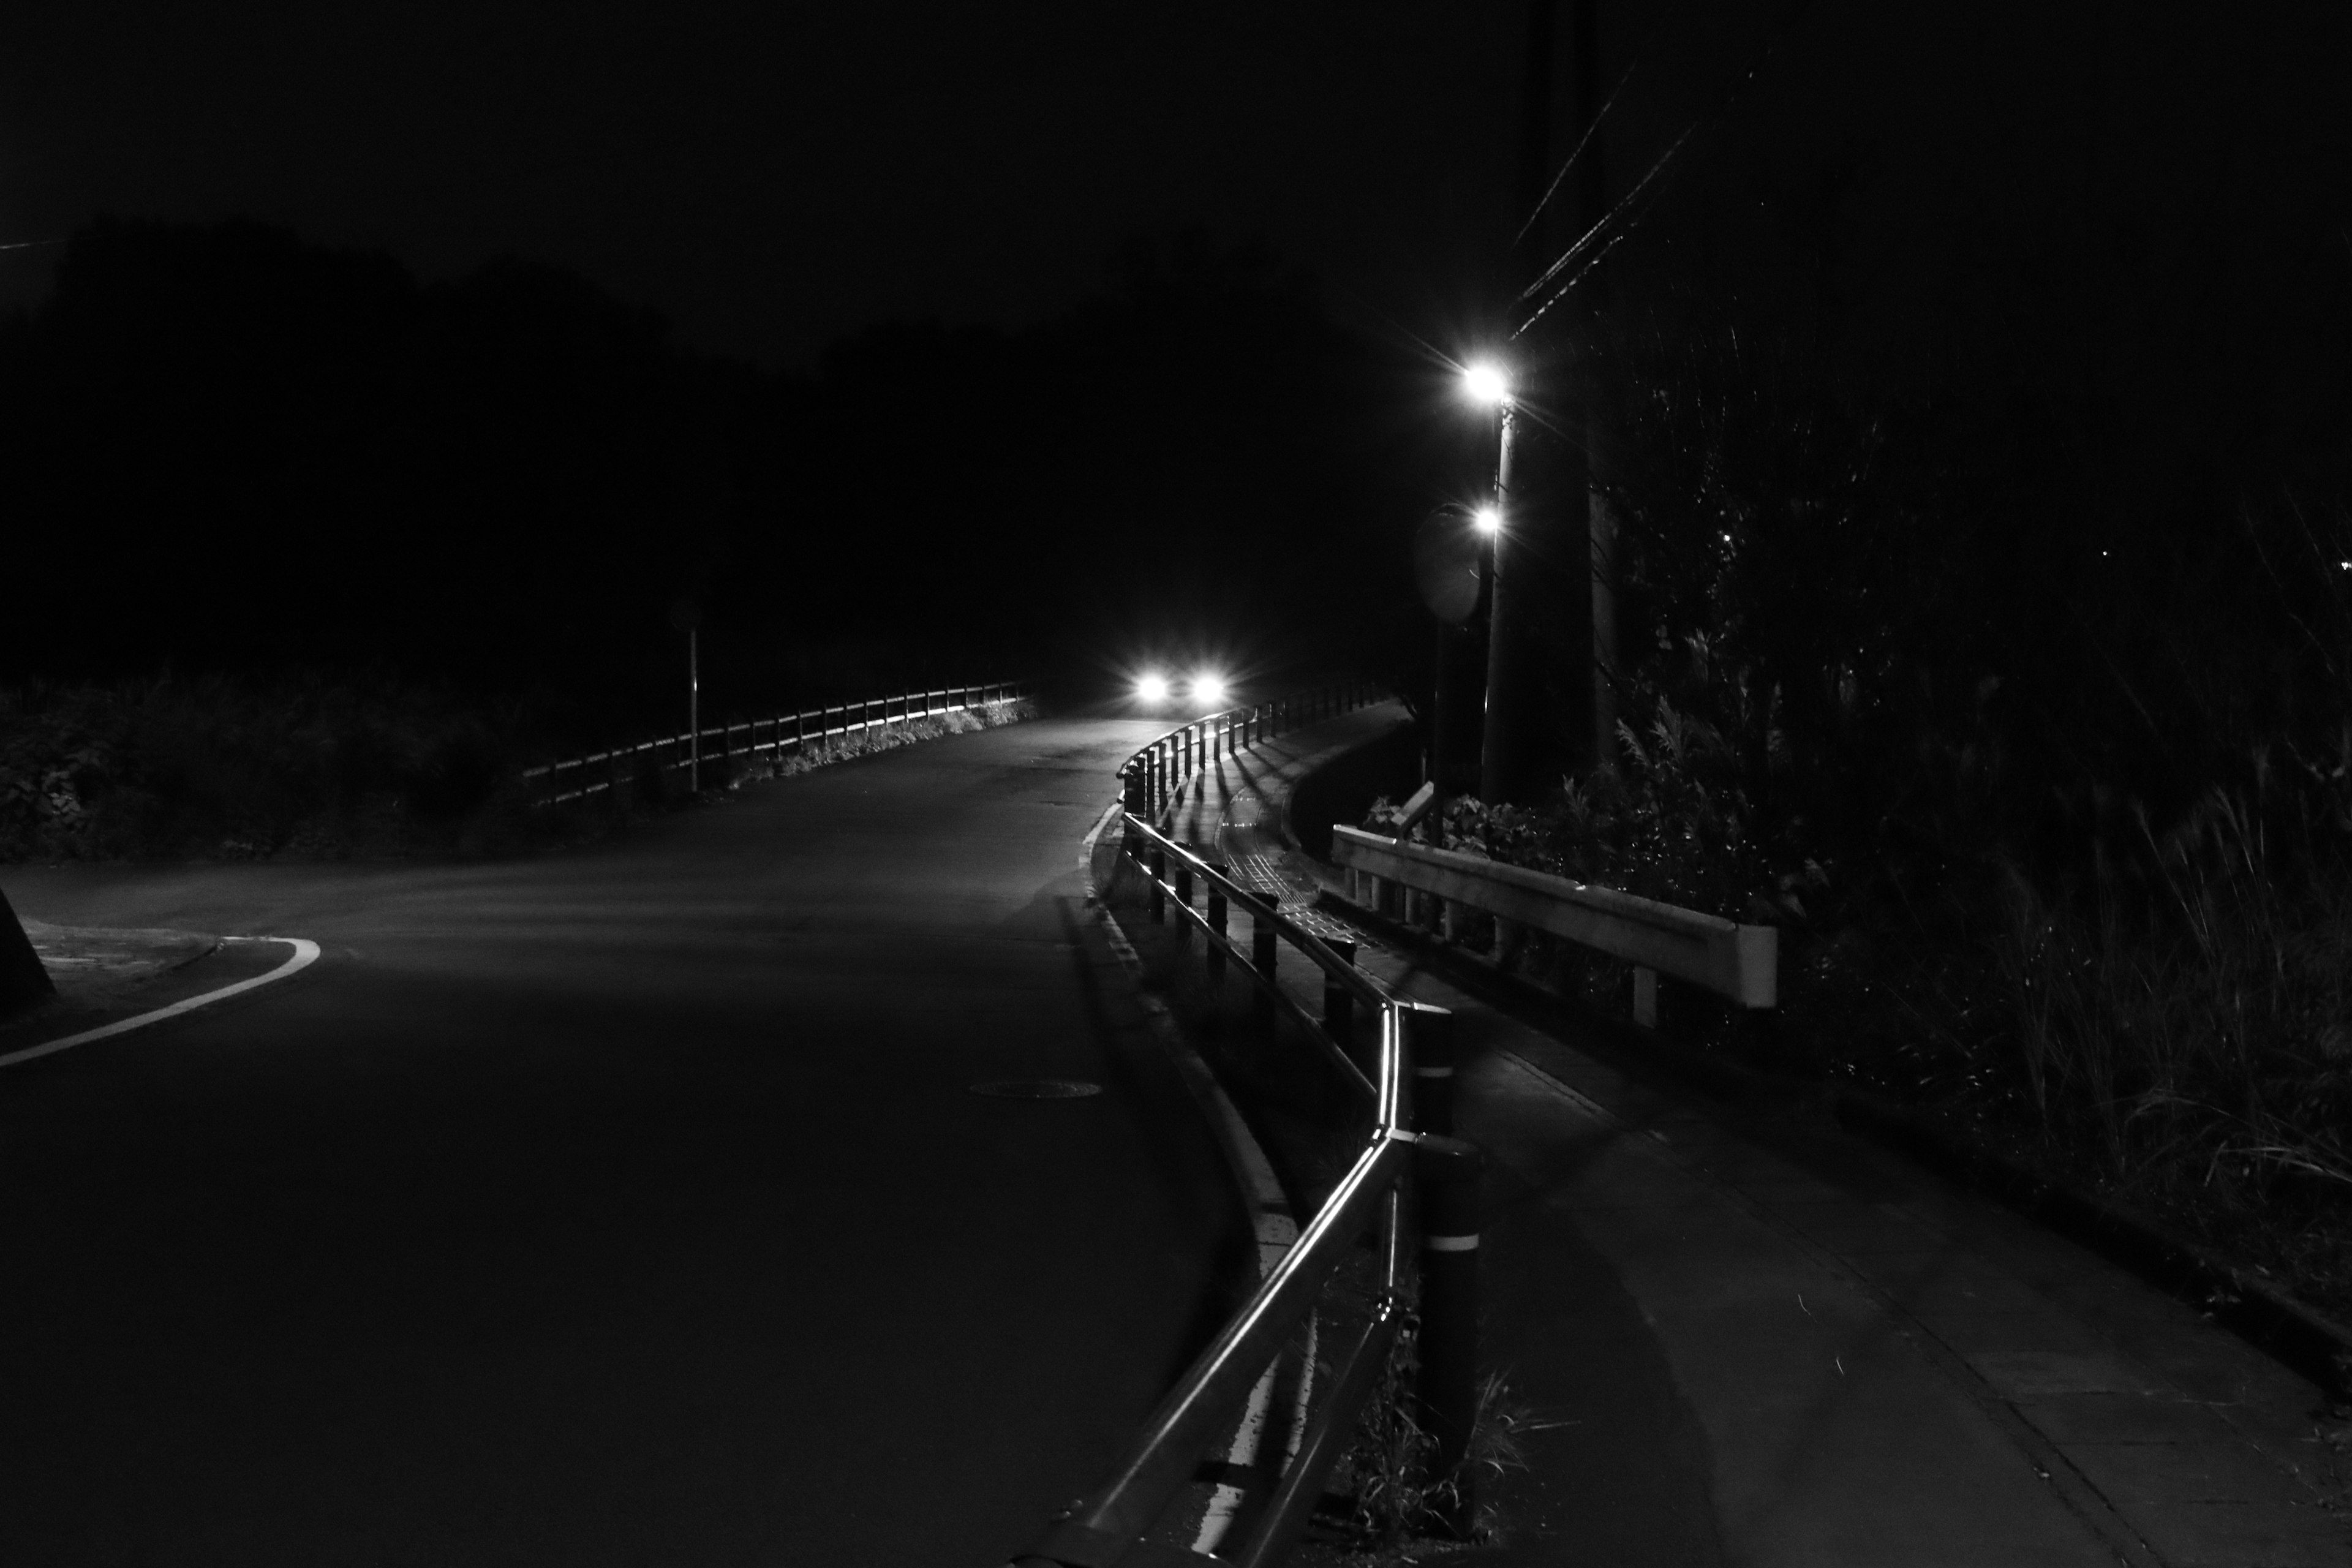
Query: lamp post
{"points": [[1498, 740]]}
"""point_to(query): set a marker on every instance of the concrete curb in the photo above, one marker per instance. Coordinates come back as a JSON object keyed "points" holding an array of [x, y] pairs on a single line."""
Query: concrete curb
{"points": [[1271, 1211], [2290, 1332]]}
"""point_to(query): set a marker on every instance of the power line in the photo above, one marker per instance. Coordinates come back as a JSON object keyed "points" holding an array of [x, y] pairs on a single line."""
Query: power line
{"points": [[1715, 112], [1592, 129]]}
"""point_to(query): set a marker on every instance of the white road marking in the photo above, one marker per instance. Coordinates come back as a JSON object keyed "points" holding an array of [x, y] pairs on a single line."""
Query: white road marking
{"points": [[1114, 812], [306, 954]]}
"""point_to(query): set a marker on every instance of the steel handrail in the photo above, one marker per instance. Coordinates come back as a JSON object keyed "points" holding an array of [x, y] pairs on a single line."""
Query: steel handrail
{"points": [[1151, 787], [1358, 984], [802, 735], [1101, 1528], [1166, 1452]]}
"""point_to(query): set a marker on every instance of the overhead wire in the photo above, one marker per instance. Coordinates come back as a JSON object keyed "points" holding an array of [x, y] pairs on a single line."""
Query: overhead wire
{"points": [[1593, 129], [1714, 113]]}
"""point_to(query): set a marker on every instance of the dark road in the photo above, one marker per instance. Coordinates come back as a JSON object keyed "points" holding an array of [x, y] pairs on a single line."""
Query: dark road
{"points": [[629, 1206]]}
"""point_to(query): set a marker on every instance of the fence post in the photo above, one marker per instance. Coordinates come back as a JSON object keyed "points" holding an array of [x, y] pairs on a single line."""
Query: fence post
{"points": [[1339, 1002], [1431, 1038], [1216, 954], [1158, 893], [1511, 937], [1446, 1172], [1263, 948]]}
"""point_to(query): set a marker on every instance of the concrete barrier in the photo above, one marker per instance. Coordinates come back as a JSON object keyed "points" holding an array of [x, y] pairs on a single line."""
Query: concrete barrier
{"points": [[1737, 963]]}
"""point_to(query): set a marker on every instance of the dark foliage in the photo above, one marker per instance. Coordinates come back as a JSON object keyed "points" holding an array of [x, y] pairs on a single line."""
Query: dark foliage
{"points": [[1983, 567], [230, 450]]}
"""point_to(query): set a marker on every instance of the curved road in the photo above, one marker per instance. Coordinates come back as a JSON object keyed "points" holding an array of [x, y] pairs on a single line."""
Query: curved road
{"points": [[630, 1205]]}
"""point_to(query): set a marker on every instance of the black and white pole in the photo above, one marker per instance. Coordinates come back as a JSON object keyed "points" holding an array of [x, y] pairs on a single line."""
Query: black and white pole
{"points": [[1430, 1040], [1446, 1173]]}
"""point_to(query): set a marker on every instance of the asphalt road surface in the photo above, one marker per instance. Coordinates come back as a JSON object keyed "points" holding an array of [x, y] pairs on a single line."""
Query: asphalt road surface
{"points": [[627, 1206]]}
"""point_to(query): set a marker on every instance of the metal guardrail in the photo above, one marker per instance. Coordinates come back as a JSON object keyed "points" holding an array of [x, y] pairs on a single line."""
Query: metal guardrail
{"points": [[1155, 777], [1409, 1086], [786, 731], [1739, 963]]}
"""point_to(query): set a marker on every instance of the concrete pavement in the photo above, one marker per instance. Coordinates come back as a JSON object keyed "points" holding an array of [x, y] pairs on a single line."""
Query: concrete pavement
{"points": [[630, 1205], [1771, 1343]]}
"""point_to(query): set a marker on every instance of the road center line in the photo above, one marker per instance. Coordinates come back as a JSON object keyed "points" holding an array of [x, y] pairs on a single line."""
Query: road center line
{"points": [[306, 954]]}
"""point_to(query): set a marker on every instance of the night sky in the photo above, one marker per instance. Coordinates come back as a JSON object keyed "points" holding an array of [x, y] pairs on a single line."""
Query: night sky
{"points": [[2112, 245], [772, 177]]}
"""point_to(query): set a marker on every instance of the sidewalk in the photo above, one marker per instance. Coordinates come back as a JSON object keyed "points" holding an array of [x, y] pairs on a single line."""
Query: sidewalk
{"points": [[1774, 1344]]}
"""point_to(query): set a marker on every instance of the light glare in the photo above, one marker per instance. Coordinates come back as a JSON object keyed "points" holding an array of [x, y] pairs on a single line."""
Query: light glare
{"points": [[1488, 519], [1152, 688], [1486, 385], [1209, 689]]}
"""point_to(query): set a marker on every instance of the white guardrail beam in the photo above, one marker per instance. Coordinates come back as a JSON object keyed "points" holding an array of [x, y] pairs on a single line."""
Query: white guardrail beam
{"points": [[1741, 962]]}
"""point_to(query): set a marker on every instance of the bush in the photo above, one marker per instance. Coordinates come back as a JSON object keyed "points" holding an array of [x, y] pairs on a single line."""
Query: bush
{"points": [[214, 768]]}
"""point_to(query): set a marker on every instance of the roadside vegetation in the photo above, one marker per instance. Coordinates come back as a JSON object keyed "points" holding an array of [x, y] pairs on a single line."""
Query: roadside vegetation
{"points": [[221, 769], [316, 768], [2031, 735]]}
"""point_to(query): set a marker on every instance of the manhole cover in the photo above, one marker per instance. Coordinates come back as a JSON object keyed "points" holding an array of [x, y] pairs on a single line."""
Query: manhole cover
{"points": [[1037, 1089]]}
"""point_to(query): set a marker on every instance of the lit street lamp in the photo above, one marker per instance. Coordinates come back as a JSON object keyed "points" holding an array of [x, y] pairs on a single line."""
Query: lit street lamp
{"points": [[1486, 385]]}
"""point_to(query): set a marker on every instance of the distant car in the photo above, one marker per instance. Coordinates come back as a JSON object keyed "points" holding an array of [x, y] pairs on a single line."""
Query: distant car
{"points": [[1203, 690]]}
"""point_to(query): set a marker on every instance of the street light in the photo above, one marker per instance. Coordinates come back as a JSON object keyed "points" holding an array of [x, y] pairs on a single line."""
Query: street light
{"points": [[1487, 385], [1152, 688], [1209, 689], [1506, 679]]}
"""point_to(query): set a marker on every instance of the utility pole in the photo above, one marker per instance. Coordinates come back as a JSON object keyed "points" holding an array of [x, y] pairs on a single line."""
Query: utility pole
{"points": [[1540, 633], [1551, 641], [1592, 206]]}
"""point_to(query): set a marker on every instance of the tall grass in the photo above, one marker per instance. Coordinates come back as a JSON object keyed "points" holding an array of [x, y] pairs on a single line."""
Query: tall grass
{"points": [[2182, 1025]]}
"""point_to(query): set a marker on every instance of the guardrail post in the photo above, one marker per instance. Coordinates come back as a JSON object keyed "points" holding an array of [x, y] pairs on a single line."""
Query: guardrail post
{"points": [[1446, 1173], [1183, 896], [1511, 937], [1339, 1002], [1216, 954], [1159, 892], [1263, 948], [1431, 1038]]}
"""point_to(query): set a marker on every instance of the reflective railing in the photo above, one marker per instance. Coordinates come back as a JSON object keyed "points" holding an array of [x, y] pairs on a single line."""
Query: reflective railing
{"points": [[1156, 775], [1408, 1176], [722, 743]]}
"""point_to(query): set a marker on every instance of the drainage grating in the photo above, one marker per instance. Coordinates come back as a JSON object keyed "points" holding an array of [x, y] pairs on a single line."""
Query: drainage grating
{"points": [[1037, 1089]]}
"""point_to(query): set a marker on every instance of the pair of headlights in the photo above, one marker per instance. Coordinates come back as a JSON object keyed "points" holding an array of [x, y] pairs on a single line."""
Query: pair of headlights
{"points": [[1203, 687]]}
